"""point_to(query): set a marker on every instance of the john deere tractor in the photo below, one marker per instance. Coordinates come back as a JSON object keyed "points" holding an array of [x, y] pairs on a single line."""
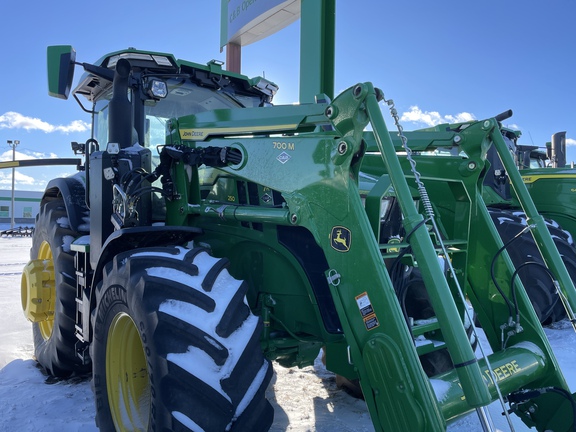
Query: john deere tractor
{"points": [[210, 232], [551, 182]]}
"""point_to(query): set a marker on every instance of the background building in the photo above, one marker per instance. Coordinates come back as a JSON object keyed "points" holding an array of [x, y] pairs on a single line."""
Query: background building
{"points": [[26, 206]]}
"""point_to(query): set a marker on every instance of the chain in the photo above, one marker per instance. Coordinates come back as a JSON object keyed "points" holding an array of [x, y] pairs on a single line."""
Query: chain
{"points": [[417, 178]]}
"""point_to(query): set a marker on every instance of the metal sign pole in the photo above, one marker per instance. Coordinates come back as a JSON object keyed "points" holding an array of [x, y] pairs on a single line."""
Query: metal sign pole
{"points": [[12, 209]]}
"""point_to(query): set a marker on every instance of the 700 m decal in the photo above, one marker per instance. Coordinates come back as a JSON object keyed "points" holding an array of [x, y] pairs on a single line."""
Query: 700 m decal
{"points": [[280, 145]]}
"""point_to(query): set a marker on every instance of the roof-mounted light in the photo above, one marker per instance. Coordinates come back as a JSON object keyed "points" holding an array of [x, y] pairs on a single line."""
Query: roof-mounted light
{"points": [[266, 87], [162, 60], [157, 59]]}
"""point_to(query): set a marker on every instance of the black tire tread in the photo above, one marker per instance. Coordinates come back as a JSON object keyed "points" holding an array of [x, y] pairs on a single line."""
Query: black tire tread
{"points": [[182, 316], [57, 354], [536, 281]]}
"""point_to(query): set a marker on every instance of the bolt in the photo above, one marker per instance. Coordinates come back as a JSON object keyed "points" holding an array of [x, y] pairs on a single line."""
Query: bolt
{"points": [[181, 210], [330, 112], [457, 139], [293, 218], [342, 147], [472, 166], [486, 123], [357, 91]]}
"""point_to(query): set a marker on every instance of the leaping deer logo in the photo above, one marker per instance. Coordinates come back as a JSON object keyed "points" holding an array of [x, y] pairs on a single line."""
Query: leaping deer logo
{"points": [[341, 239]]}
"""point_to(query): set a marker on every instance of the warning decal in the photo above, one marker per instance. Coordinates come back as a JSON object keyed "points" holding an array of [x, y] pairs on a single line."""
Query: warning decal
{"points": [[367, 311], [364, 304], [371, 322]]}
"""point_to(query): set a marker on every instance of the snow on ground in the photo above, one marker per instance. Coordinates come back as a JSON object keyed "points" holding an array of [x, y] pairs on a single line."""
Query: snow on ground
{"points": [[304, 399]]}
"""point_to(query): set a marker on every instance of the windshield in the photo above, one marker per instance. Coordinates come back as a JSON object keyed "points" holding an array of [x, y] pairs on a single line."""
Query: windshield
{"points": [[537, 162], [184, 98]]}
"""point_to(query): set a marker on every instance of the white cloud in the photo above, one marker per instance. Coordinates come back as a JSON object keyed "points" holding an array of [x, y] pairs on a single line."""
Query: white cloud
{"points": [[7, 155], [19, 179], [570, 142], [14, 120], [433, 118]]}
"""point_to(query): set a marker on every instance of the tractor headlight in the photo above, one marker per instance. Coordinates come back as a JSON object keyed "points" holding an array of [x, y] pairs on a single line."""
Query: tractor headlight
{"points": [[157, 89]]}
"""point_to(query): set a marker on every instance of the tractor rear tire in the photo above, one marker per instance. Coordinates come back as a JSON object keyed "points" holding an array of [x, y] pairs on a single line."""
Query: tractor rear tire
{"points": [[536, 280], [54, 339], [176, 346]]}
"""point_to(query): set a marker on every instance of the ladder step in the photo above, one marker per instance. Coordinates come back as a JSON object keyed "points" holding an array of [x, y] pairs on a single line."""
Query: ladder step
{"points": [[425, 346], [421, 327], [422, 338]]}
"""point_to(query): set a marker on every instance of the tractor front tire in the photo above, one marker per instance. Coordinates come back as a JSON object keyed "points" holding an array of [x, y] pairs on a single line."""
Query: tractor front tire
{"points": [[565, 245], [176, 346], [54, 339]]}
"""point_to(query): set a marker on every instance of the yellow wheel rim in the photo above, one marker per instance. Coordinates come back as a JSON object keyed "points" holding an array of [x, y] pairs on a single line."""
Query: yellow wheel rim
{"points": [[46, 326], [127, 380]]}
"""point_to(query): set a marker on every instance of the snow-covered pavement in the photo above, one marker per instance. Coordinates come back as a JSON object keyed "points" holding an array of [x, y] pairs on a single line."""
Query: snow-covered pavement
{"points": [[304, 399]]}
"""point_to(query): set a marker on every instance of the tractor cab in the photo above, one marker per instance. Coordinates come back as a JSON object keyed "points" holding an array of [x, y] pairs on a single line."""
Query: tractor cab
{"points": [[161, 87], [531, 157]]}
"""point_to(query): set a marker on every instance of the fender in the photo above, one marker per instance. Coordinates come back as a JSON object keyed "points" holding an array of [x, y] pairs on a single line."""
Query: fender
{"points": [[73, 191]]}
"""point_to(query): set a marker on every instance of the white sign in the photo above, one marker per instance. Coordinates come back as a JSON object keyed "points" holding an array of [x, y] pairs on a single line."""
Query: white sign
{"points": [[247, 21]]}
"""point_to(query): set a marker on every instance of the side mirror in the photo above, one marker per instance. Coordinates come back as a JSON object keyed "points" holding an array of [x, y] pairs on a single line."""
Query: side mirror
{"points": [[61, 62]]}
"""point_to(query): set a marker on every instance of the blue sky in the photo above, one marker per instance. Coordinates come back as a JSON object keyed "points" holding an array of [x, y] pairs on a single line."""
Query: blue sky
{"points": [[439, 61]]}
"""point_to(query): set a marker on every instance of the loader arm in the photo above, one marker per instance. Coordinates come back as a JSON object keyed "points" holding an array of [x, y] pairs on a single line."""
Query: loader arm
{"points": [[323, 197]]}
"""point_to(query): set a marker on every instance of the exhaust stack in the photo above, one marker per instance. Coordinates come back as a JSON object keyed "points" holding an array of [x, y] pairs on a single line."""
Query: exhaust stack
{"points": [[558, 156]]}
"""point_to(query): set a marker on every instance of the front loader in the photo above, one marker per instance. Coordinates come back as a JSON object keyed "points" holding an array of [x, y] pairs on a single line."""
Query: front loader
{"points": [[211, 232], [550, 189]]}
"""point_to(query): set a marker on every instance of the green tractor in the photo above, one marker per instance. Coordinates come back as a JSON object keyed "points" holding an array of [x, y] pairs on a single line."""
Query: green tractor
{"points": [[551, 182], [209, 233]]}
